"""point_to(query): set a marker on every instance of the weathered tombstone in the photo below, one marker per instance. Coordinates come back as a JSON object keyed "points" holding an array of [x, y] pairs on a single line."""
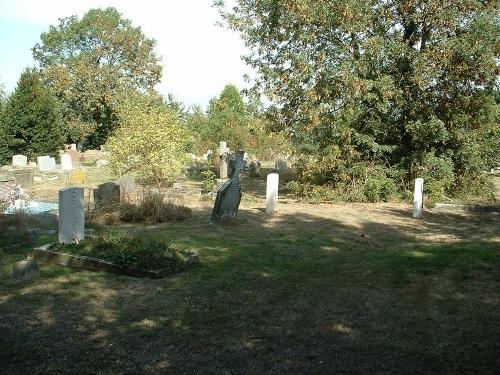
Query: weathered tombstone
{"points": [[228, 197], [223, 154], [280, 165], [418, 198], [66, 162], [272, 192], [71, 215], [127, 183], [25, 270], [46, 163], [24, 177], [254, 168], [19, 161], [77, 177], [107, 193]]}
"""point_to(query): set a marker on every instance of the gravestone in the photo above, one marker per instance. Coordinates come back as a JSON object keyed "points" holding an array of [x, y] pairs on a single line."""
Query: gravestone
{"points": [[107, 193], [66, 162], [24, 177], [71, 215], [254, 168], [272, 192], [46, 163], [418, 198], [25, 270], [74, 154], [127, 183], [77, 177], [228, 197], [223, 154], [19, 161], [280, 165]]}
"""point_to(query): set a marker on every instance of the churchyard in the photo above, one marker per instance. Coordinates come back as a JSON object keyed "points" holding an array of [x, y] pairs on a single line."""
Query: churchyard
{"points": [[284, 286]]}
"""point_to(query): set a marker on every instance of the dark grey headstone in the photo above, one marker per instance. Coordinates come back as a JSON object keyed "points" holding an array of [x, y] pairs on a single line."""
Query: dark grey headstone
{"points": [[228, 197], [106, 193]]}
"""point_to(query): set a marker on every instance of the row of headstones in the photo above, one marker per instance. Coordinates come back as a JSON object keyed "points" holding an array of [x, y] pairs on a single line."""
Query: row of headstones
{"points": [[44, 163]]}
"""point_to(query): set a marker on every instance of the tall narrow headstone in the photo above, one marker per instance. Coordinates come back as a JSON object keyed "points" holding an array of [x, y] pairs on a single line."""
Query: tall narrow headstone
{"points": [[418, 198], [19, 161], [272, 192], [66, 162], [71, 215]]}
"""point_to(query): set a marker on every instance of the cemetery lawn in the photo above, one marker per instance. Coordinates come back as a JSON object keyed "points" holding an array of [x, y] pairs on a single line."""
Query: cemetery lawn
{"points": [[348, 288]]}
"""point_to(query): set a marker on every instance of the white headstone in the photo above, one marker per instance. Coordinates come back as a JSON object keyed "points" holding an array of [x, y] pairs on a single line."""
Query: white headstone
{"points": [[272, 192], [73, 146], [19, 161], [66, 163], [71, 215], [418, 198], [222, 148], [46, 163]]}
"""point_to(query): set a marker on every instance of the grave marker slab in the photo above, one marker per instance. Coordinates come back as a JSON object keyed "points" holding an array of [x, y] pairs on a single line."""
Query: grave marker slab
{"points": [[24, 177], [418, 198], [19, 161], [71, 215], [66, 162], [46, 163], [228, 197], [272, 192], [106, 193]]}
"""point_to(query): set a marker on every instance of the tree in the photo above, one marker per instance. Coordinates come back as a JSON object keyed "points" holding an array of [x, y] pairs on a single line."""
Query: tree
{"points": [[150, 139], [360, 85], [89, 62], [31, 123]]}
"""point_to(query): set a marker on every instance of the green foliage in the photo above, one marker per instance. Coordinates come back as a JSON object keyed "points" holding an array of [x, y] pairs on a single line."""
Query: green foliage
{"points": [[405, 85], [31, 122], [127, 250], [208, 181], [91, 61], [228, 118], [150, 139]]}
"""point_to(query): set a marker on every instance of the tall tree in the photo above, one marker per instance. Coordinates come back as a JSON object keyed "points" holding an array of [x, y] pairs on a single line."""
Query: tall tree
{"points": [[401, 83], [91, 61], [31, 123]]}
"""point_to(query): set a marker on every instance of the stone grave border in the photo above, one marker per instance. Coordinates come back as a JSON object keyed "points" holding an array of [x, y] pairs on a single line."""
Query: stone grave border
{"points": [[43, 254]]}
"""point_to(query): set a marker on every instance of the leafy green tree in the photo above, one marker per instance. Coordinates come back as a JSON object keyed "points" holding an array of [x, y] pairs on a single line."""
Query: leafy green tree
{"points": [[150, 140], [358, 85], [89, 63], [31, 123]]}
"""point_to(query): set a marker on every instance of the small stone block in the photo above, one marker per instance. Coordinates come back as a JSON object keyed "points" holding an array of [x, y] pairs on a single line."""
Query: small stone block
{"points": [[25, 270]]}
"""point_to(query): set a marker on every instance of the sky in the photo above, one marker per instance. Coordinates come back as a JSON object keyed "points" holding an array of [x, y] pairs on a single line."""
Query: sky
{"points": [[199, 58]]}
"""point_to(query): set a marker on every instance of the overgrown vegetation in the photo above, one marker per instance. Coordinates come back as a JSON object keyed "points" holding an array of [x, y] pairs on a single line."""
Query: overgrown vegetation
{"points": [[150, 140], [402, 89], [127, 250]]}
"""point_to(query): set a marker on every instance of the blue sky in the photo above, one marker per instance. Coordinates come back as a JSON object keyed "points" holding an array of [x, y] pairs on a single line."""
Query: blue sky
{"points": [[199, 58]]}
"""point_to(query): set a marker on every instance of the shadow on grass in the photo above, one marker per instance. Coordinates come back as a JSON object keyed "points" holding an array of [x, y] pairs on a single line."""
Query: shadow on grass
{"points": [[289, 293]]}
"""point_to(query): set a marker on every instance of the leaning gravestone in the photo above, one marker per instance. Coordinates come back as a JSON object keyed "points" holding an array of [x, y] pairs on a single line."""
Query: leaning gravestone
{"points": [[228, 197], [19, 161], [272, 192], [107, 193], [418, 198], [71, 215]]}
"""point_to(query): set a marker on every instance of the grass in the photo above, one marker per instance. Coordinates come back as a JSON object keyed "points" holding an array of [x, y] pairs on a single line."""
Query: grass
{"points": [[313, 289]]}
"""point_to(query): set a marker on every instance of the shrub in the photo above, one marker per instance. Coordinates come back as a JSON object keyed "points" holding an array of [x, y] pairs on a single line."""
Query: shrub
{"points": [[152, 208]]}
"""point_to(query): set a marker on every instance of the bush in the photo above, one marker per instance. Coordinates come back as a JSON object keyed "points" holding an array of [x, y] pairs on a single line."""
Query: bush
{"points": [[208, 181], [152, 208]]}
